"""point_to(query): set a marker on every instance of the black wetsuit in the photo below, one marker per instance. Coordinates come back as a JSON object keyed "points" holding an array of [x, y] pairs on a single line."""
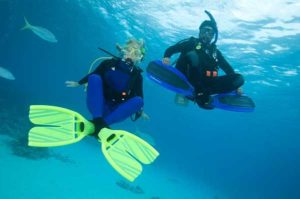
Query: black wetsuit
{"points": [[200, 64], [115, 91], [130, 81]]}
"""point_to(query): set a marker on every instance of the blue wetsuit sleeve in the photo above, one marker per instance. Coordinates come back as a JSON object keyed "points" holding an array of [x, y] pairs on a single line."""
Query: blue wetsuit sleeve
{"points": [[182, 46], [223, 64]]}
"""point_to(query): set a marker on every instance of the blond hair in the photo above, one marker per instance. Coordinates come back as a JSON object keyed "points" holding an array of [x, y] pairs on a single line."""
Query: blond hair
{"points": [[133, 48]]}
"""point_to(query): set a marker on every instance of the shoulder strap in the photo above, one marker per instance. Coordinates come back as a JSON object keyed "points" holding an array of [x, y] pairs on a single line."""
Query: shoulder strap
{"points": [[136, 72]]}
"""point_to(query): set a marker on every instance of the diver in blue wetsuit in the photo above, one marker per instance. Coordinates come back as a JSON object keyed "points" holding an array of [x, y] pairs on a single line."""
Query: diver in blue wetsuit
{"points": [[115, 87], [200, 61]]}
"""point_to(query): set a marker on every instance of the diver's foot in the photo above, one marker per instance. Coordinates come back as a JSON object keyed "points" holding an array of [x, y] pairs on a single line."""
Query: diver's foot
{"points": [[181, 100], [99, 124]]}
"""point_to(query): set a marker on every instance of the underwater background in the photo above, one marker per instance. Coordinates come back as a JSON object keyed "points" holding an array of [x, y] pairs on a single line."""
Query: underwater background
{"points": [[203, 154]]}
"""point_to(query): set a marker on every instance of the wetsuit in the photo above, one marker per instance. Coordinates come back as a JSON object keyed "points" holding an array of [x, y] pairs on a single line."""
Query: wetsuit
{"points": [[200, 64], [115, 91]]}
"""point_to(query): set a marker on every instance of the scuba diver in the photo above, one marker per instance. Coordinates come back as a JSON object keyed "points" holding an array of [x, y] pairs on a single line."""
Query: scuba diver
{"points": [[114, 93], [199, 61], [115, 87]]}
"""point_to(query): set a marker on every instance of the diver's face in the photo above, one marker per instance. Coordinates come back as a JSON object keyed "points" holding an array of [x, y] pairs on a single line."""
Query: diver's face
{"points": [[132, 53], [206, 34]]}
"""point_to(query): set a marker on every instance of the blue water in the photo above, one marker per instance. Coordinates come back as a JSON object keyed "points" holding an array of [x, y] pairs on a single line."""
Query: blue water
{"points": [[237, 155]]}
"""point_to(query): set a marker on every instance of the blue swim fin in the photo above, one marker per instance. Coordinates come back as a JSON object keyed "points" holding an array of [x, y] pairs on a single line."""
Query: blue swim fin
{"points": [[169, 77], [233, 102]]}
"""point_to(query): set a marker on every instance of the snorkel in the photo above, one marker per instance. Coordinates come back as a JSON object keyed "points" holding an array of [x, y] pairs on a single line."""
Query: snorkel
{"points": [[114, 56], [211, 18]]}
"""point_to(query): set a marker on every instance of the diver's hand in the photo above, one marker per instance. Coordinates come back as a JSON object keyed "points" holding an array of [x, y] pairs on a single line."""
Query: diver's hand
{"points": [[166, 60], [72, 84], [145, 116], [140, 114], [239, 91]]}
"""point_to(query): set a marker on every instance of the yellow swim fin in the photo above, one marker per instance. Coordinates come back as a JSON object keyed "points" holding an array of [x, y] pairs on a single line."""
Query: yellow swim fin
{"points": [[124, 151], [60, 126]]}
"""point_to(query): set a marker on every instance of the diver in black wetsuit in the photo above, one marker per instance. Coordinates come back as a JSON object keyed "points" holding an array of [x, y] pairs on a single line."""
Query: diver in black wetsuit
{"points": [[200, 61]]}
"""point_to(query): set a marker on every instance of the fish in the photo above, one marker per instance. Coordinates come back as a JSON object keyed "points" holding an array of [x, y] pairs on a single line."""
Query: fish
{"points": [[6, 74], [134, 189], [41, 32]]}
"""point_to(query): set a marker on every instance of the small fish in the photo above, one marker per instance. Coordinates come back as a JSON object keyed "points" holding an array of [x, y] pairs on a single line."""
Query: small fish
{"points": [[40, 31], [6, 74], [125, 185]]}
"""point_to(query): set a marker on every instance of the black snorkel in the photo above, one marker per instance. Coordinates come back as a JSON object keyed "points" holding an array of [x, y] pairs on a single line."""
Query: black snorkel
{"points": [[215, 24], [113, 56]]}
